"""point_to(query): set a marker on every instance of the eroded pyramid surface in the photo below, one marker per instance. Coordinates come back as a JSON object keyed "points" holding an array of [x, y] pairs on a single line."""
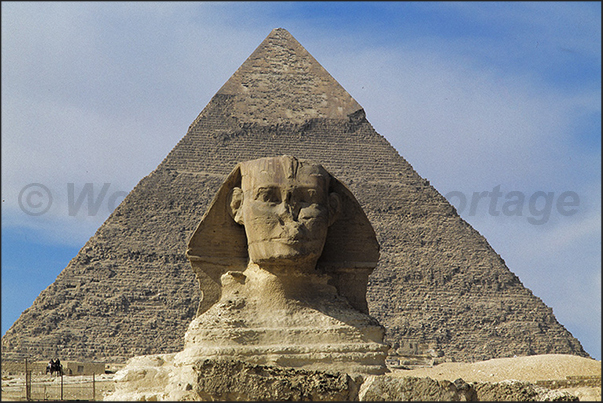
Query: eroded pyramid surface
{"points": [[439, 288]]}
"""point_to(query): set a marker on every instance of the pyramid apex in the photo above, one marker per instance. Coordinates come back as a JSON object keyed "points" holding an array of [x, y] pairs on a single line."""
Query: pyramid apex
{"points": [[282, 82], [280, 32]]}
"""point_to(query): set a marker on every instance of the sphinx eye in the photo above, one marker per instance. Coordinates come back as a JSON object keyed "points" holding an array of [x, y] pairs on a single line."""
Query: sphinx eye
{"points": [[309, 196], [267, 195]]}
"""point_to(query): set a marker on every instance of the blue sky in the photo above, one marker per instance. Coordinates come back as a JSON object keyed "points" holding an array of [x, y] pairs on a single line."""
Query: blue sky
{"points": [[478, 97]]}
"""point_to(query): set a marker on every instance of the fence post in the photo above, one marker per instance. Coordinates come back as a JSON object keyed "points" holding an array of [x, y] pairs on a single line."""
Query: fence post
{"points": [[93, 387], [61, 385], [27, 382]]}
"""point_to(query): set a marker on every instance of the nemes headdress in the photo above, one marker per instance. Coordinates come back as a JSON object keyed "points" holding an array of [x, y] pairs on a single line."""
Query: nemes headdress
{"points": [[219, 244]]}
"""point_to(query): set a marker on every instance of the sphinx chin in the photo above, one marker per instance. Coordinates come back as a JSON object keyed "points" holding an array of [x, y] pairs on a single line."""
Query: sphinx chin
{"points": [[285, 252]]}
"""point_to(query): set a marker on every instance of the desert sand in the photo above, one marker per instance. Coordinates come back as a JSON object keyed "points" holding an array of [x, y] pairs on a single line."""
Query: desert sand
{"points": [[548, 367], [532, 369]]}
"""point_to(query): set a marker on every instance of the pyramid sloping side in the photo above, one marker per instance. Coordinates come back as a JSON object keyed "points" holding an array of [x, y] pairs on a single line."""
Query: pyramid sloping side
{"points": [[282, 83], [439, 286]]}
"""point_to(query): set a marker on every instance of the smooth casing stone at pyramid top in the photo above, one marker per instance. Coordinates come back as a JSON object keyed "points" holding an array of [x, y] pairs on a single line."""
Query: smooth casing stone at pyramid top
{"points": [[439, 289]]}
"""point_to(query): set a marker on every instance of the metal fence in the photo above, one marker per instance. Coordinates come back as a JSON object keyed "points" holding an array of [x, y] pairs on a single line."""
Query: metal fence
{"points": [[41, 387]]}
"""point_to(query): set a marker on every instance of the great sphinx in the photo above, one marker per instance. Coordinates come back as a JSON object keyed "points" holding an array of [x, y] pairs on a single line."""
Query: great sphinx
{"points": [[283, 256]]}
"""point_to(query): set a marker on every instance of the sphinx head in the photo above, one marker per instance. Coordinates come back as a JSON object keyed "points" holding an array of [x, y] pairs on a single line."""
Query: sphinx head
{"points": [[286, 209], [285, 215]]}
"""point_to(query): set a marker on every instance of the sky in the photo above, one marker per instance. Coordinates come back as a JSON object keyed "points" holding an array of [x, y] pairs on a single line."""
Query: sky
{"points": [[497, 104]]}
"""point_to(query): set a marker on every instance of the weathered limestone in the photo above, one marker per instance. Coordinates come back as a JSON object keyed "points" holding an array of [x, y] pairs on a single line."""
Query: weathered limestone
{"points": [[348, 253], [439, 289], [152, 378], [386, 388], [156, 378], [287, 251], [280, 286]]}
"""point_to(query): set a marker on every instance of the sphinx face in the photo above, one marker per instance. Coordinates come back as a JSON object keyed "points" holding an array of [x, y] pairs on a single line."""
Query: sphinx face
{"points": [[285, 207]]}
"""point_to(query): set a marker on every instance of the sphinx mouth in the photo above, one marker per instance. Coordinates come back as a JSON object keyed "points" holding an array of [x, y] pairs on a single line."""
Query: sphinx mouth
{"points": [[291, 241], [297, 240]]}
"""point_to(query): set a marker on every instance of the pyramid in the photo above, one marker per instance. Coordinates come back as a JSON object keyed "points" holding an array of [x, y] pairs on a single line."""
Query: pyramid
{"points": [[439, 289]]}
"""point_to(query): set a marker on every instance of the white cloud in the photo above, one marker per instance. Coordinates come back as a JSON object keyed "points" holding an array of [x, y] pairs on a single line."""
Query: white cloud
{"points": [[101, 92], [483, 127], [553, 26], [560, 261], [89, 97]]}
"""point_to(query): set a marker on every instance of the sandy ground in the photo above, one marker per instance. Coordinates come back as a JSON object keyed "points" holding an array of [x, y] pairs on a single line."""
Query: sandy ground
{"points": [[47, 387], [531, 369]]}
